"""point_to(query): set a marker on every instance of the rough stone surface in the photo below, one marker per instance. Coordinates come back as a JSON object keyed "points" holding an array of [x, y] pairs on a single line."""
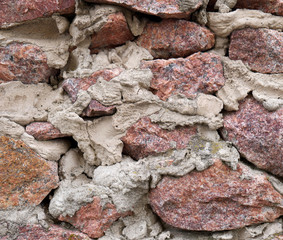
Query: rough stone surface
{"points": [[269, 6], [175, 38], [114, 33], [260, 49], [257, 134], [145, 138], [73, 85], [24, 62], [25, 177], [198, 73], [43, 131], [96, 109], [93, 218], [161, 8], [216, 199], [17, 11], [37, 232]]}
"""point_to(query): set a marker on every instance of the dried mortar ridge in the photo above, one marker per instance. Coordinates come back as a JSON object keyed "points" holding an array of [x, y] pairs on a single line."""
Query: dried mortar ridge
{"points": [[94, 169]]}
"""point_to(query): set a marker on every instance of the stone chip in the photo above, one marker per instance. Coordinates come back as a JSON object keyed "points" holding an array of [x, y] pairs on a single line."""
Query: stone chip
{"points": [[93, 219]]}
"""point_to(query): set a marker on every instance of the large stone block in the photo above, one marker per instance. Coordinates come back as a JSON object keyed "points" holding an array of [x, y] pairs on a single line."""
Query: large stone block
{"points": [[24, 62], [112, 34], [216, 199], [145, 138], [172, 38], [257, 134], [18, 11], [161, 8], [25, 177], [268, 6], [198, 73], [260, 49]]}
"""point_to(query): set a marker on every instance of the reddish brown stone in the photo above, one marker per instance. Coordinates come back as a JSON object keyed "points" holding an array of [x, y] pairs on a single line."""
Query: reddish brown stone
{"points": [[114, 33], [37, 232], [96, 109], [261, 49], [175, 38], [17, 11], [43, 131], [257, 134], [24, 62], [145, 138], [216, 199], [93, 219], [269, 6], [25, 178], [198, 73], [161, 8], [73, 85]]}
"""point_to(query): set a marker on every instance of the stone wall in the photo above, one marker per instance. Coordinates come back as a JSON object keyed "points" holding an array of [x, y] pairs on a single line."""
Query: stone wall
{"points": [[124, 119]]}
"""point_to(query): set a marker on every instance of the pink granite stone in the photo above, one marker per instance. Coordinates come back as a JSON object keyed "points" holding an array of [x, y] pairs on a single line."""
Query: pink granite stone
{"points": [[54, 232], [112, 34], [161, 8], [73, 85], [216, 199], [257, 134], [25, 178], [93, 219], [18, 11], [96, 109], [172, 38], [268, 6], [43, 131], [24, 62], [145, 138], [198, 73], [261, 49]]}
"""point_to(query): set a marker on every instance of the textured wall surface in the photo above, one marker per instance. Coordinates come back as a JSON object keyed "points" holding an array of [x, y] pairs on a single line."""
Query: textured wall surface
{"points": [[137, 119]]}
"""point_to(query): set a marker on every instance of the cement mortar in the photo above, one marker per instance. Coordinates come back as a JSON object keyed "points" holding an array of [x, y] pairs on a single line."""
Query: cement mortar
{"points": [[223, 24], [45, 34], [266, 88], [97, 167]]}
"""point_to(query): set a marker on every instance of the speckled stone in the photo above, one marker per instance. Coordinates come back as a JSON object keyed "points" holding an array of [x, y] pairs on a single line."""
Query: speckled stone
{"points": [[216, 199], [93, 219], [261, 49], [24, 62], [43, 131], [257, 134], [112, 34], [25, 177], [161, 8], [173, 38], [73, 85], [268, 6], [145, 138], [17, 11], [198, 73], [54, 232], [96, 109]]}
